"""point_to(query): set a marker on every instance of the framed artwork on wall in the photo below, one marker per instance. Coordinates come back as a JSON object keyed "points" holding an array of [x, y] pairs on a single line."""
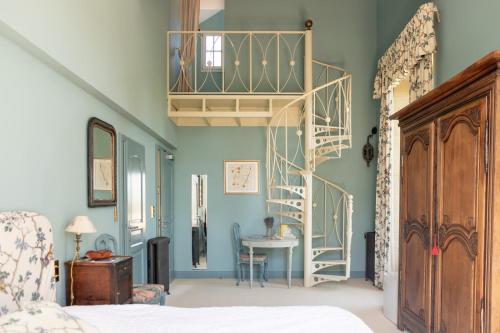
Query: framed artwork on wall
{"points": [[241, 177]]}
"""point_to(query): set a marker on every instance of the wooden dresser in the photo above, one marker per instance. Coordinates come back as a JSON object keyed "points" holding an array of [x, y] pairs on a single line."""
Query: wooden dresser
{"points": [[100, 282], [450, 202]]}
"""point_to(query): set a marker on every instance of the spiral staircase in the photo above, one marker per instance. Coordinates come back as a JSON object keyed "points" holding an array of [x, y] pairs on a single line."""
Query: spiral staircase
{"points": [[308, 120], [297, 193]]}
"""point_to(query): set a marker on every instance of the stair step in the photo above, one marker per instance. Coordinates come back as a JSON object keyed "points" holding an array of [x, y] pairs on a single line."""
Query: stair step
{"points": [[323, 159], [321, 264], [330, 149], [325, 139], [318, 236], [298, 216], [330, 262], [295, 172], [318, 278], [299, 190], [316, 251], [295, 203], [325, 129]]}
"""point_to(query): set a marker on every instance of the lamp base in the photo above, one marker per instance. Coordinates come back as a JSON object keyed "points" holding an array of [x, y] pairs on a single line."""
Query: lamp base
{"points": [[78, 240]]}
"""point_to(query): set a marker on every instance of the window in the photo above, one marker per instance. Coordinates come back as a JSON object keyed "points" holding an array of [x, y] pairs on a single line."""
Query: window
{"points": [[212, 52]]}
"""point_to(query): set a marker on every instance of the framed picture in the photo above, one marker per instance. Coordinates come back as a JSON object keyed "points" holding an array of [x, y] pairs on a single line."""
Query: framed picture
{"points": [[241, 177]]}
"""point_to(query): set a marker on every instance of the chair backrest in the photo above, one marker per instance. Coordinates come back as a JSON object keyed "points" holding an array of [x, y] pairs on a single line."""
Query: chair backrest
{"points": [[26, 260], [106, 242], [238, 248]]}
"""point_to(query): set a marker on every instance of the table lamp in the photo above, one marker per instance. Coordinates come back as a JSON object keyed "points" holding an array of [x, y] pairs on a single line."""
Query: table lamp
{"points": [[80, 225]]}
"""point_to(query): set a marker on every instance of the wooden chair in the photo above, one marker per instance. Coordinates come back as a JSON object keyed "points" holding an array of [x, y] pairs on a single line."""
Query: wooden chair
{"points": [[243, 258]]}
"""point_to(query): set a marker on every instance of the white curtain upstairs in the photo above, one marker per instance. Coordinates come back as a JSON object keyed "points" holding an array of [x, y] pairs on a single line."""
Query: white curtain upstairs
{"points": [[410, 56]]}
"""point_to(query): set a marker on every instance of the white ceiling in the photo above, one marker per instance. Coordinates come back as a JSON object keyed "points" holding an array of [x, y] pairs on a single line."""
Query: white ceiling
{"points": [[212, 4], [209, 8]]}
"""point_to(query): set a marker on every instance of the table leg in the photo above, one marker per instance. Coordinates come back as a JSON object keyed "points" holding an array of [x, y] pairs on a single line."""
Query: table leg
{"points": [[251, 267], [290, 251]]}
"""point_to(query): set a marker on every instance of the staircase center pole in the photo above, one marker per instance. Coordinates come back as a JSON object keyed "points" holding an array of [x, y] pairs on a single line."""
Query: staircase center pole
{"points": [[309, 154]]}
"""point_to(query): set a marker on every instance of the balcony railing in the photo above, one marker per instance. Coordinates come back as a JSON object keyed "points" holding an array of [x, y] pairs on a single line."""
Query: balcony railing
{"points": [[253, 62]]}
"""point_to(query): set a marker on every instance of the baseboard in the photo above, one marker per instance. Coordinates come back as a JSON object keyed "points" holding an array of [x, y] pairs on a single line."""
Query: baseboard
{"points": [[199, 274]]}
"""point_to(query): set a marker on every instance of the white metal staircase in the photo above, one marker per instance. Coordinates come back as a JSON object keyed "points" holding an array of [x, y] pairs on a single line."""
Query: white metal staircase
{"points": [[319, 208], [308, 125]]}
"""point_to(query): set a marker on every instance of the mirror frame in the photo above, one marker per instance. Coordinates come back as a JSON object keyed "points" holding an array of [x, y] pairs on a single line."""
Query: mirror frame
{"points": [[92, 124]]}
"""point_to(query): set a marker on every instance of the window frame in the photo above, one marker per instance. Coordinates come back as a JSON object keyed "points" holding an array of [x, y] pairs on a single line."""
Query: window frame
{"points": [[204, 67]]}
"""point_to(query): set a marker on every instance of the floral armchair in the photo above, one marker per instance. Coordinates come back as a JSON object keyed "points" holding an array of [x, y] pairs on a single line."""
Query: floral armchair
{"points": [[26, 260]]}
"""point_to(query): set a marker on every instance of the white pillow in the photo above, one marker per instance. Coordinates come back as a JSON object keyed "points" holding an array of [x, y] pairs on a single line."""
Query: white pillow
{"points": [[43, 317]]}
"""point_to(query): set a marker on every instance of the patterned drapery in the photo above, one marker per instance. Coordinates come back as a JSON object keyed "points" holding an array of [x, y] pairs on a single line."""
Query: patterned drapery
{"points": [[383, 190], [417, 41], [410, 56]]}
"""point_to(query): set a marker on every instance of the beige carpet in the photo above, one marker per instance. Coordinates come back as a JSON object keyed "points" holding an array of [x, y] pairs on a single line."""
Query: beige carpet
{"points": [[355, 295]]}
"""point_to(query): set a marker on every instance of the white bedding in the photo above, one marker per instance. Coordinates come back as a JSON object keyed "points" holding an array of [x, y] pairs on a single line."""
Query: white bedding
{"points": [[150, 318]]}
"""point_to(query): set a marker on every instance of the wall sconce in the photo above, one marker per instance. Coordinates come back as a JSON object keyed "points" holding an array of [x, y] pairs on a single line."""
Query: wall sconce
{"points": [[368, 150]]}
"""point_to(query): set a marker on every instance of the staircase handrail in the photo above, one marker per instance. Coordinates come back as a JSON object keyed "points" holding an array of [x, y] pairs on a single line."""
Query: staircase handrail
{"points": [[324, 64], [340, 189], [311, 92]]}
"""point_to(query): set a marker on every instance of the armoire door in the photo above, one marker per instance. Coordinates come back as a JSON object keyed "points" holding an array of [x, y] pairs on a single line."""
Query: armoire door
{"points": [[416, 221], [460, 214]]}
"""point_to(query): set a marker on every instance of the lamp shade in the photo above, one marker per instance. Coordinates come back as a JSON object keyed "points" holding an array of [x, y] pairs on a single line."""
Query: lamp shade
{"points": [[81, 225]]}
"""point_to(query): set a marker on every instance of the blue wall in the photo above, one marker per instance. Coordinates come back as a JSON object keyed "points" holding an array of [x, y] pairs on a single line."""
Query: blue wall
{"points": [[203, 152], [392, 17], [43, 148], [215, 22], [468, 31], [345, 33]]}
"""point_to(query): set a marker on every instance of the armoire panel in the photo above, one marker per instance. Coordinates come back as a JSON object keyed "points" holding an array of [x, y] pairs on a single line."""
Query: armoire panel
{"points": [[416, 223], [461, 179]]}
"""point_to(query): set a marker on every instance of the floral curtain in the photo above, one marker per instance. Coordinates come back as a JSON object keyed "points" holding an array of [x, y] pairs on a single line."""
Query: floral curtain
{"points": [[383, 190], [421, 77], [410, 56]]}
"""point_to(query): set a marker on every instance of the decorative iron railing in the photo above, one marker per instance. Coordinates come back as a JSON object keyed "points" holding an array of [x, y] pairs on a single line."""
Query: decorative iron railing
{"points": [[251, 62]]}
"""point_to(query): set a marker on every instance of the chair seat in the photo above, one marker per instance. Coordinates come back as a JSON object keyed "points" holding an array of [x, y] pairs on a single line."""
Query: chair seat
{"points": [[245, 257], [148, 293]]}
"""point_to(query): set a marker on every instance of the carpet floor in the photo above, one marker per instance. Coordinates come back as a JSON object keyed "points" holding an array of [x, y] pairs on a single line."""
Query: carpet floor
{"points": [[355, 295]]}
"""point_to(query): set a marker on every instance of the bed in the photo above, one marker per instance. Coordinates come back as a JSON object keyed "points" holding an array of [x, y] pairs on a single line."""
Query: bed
{"points": [[27, 295]]}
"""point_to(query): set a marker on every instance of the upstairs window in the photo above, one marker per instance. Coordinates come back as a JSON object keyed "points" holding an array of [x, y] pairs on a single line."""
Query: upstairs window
{"points": [[212, 53]]}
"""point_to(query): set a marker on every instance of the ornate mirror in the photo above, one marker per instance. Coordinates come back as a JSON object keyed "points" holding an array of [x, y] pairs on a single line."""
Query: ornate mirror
{"points": [[101, 163]]}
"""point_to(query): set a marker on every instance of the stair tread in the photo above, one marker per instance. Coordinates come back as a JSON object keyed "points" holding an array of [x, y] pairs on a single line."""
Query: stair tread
{"points": [[335, 262], [333, 277], [333, 137], [287, 186], [320, 151], [327, 248]]}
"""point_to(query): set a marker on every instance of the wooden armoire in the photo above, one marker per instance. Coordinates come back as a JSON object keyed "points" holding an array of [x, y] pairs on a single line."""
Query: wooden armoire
{"points": [[449, 274]]}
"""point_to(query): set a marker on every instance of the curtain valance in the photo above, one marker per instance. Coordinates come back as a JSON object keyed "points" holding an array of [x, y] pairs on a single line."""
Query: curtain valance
{"points": [[416, 41]]}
